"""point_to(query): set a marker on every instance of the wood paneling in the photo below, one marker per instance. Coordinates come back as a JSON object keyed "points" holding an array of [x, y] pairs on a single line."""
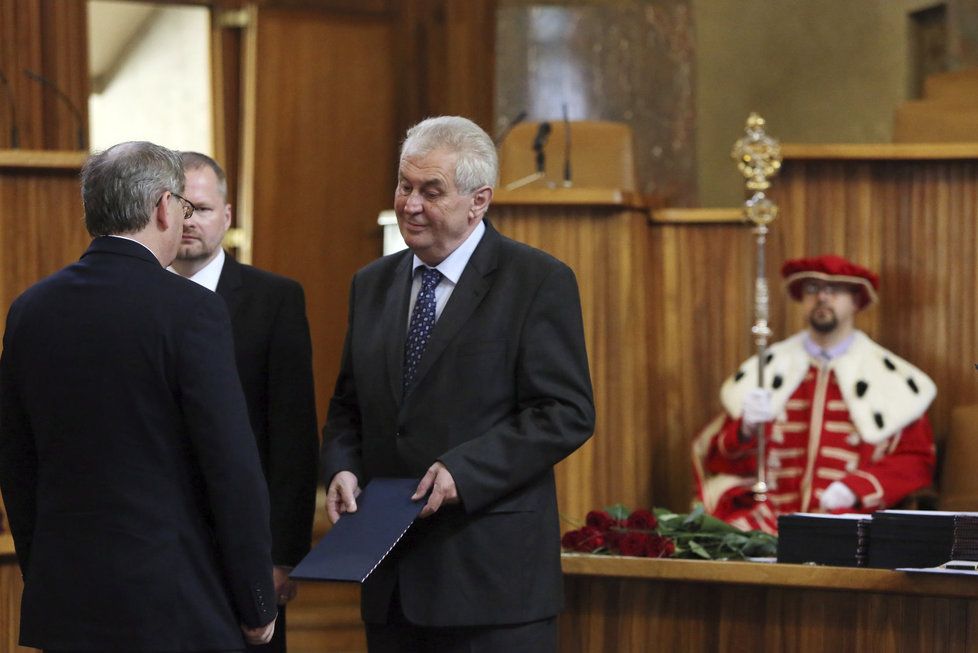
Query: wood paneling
{"points": [[48, 37], [11, 586], [717, 607], [324, 159], [445, 60], [605, 246], [41, 222]]}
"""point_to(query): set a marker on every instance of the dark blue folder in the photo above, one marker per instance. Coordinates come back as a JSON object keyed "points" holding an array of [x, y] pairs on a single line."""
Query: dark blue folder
{"points": [[358, 541]]}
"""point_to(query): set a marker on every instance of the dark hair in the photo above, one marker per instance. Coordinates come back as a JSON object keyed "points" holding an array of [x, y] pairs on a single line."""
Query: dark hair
{"points": [[121, 185]]}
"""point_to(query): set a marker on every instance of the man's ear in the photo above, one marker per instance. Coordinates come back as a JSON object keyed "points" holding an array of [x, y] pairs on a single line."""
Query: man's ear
{"points": [[480, 202], [161, 217]]}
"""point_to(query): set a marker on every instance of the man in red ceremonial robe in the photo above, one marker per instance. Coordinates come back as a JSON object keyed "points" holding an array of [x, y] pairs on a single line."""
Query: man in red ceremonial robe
{"points": [[845, 419]]}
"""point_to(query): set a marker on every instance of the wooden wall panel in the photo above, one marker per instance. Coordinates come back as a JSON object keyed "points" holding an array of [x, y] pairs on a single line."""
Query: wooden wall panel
{"points": [[620, 614], [48, 37], [11, 587], [324, 160], [447, 65], [605, 248]]}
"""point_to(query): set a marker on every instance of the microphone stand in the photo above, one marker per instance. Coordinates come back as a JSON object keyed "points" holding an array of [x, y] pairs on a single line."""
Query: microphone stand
{"points": [[758, 158], [539, 143]]}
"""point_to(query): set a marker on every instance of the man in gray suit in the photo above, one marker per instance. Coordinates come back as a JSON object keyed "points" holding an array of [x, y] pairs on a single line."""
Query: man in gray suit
{"points": [[127, 464], [464, 366]]}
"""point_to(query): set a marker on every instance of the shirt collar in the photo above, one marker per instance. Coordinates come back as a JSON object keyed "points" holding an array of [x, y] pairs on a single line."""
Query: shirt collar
{"points": [[210, 274], [135, 241], [452, 267], [832, 352]]}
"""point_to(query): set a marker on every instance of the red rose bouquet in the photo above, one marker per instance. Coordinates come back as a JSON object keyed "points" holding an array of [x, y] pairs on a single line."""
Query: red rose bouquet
{"points": [[661, 533]]}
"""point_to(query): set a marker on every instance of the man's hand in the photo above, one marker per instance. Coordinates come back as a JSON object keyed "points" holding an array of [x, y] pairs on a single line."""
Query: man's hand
{"points": [[837, 496], [260, 635], [757, 408], [442, 485], [341, 497], [285, 589]]}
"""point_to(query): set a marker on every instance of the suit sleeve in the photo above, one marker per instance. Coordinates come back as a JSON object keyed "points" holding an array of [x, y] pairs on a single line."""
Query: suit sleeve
{"points": [[18, 459], [342, 448], [224, 447], [554, 412], [292, 431]]}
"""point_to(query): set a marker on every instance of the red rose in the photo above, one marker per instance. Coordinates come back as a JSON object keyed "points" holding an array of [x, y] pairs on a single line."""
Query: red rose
{"points": [[642, 520], [613, 537], [570, 540], [634, 544], [591, 540], [660, 547], [600, 520]]}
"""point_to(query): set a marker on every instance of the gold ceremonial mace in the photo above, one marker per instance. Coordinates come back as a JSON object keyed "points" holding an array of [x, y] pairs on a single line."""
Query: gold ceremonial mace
{"points": [[758, 158]]}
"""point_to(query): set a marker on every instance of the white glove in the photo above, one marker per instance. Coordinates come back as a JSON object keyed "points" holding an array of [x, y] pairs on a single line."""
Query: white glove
{"points": [[757, 408], [837, 496]]}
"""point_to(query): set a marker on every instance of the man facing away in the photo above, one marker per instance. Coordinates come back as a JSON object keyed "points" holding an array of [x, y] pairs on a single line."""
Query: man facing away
{"points": [[127, 464], [274, 358], [464, 365], [845, 419]]}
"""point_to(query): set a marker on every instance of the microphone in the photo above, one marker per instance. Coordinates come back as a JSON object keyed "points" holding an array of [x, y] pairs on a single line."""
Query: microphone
{"points": [[504, 132], [44, 81], [14, 133], [539, 142], [567, 148]]}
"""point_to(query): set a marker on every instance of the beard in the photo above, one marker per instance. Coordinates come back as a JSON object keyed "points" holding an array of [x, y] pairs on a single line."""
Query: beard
{"points": [[823, 319], [193, 252]]}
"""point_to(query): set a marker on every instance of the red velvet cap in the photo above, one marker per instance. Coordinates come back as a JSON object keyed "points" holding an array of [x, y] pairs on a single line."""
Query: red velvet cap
{"points": [[832, 269]]}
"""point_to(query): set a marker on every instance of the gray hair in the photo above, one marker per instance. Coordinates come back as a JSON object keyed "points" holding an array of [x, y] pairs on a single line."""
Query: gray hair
{"points": [[121, 185], [477, 163], [196, 161]]}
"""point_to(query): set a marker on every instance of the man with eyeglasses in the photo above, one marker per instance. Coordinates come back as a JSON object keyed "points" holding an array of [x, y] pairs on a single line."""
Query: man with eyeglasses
{"points": [[274, 356], [133, 488], [845, 419]]}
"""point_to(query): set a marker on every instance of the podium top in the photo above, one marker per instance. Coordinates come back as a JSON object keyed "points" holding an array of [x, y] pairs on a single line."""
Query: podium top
{"points": [[601, 155]]}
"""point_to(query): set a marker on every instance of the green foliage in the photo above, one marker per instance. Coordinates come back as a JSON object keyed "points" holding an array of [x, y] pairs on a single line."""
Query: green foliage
{"points": [[700, 536]]}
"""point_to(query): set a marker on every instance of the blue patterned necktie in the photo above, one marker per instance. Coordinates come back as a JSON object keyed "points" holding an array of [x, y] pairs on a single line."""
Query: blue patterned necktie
{"points": [[422, 322]]}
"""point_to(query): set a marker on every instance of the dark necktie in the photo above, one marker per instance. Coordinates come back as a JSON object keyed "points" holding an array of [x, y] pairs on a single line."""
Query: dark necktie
{"points": [[422, 321]]}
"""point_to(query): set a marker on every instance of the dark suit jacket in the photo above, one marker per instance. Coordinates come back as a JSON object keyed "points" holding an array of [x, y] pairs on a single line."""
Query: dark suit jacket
{"points": [[274, 355], [127, 464], [502, 394]]}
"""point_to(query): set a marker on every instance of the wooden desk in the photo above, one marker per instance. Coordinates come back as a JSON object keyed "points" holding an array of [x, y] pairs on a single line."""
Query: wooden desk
{"points": [[635, 604]]}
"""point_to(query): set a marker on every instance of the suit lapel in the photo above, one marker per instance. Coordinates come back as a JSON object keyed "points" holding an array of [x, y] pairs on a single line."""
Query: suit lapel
{"points": [[395, 324], [229, 282], [472, 286]]}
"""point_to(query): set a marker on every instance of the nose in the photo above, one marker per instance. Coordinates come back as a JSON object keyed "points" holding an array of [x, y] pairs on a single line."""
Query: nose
{"points": [[413, 203]]}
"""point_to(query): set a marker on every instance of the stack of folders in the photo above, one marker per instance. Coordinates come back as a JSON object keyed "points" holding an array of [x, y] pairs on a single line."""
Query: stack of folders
{"points": [[811, 538], [918, 538]]}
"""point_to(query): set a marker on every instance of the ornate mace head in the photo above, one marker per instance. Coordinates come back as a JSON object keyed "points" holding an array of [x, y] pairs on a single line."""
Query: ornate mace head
{"points": [[758, 158]]}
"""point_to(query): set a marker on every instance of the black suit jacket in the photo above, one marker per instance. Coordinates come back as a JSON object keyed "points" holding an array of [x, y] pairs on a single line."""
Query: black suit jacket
{"points": [[502, 394], [274, 355], [127, 464]]}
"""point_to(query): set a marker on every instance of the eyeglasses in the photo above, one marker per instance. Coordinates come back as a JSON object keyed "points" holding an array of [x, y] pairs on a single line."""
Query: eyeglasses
{"points": [[188, 206], [816, 287]]}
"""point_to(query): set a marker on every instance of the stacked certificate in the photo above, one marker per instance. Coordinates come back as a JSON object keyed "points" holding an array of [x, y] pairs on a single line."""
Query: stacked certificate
{"points": [[920, 538], [815, 538]]}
